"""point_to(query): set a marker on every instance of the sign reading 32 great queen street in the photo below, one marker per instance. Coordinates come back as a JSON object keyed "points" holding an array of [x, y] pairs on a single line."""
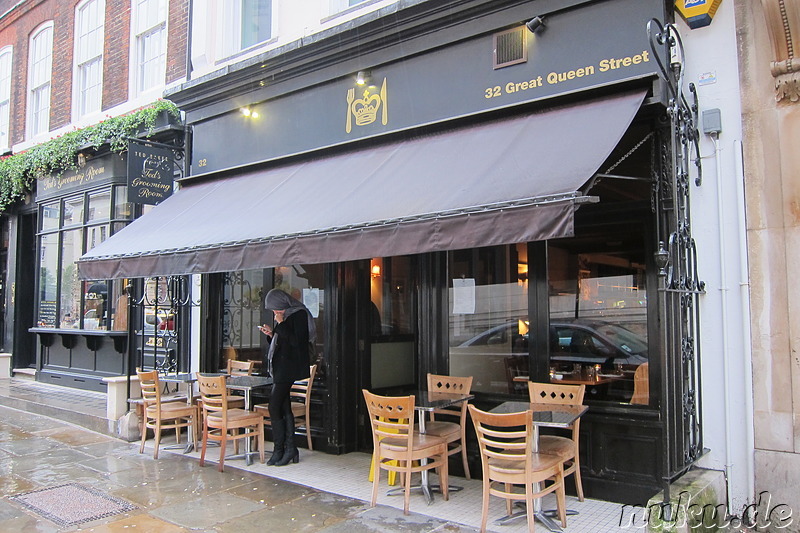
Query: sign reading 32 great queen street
{"points": [[150, 173]]}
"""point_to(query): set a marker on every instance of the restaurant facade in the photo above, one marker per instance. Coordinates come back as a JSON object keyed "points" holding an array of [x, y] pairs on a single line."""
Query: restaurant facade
{"points": [[490, 189]]}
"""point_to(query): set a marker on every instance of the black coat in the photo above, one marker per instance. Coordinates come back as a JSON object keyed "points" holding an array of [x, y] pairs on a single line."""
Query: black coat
{"points": [[290, 360]]}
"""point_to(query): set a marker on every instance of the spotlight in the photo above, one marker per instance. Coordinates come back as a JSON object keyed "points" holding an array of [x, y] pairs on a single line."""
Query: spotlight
{"points": [[362, 77], [534, 24]]}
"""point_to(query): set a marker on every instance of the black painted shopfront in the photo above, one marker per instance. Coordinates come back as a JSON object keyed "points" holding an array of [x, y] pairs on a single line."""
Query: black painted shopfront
{"points": [[467, 213]]}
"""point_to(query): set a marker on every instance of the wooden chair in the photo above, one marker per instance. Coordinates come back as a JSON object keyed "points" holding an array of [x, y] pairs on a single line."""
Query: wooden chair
{"points": [[240, 368], [566, 448], [159, 415], [222, 423], [397, 445], [641, 385], [301, 404], [511, 468], [455, 433]]}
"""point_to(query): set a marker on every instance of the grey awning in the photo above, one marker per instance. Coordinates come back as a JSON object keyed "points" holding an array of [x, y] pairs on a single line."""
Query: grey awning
{"points": [[500, 182]]}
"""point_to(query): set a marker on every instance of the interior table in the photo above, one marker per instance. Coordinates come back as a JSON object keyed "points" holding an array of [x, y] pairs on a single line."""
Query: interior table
{"points": [[544, 415], [426, 402]]}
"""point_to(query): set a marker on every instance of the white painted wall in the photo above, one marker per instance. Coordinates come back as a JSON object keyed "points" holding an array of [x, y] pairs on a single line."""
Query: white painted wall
{"points": [[717, 224]]}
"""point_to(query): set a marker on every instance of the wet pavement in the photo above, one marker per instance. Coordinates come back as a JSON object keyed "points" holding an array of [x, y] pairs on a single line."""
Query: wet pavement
{"points": [[170, 494]]}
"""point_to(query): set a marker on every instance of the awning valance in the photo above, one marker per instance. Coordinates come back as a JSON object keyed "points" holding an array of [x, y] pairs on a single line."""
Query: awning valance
{"points": [[500, 182]]}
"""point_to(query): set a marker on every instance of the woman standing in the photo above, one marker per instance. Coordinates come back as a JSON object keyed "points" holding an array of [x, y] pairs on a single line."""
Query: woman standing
{"points": [[287, 361]]}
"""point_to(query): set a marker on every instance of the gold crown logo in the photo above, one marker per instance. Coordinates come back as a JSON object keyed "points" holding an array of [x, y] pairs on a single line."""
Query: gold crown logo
{"points": [[366, 109]]}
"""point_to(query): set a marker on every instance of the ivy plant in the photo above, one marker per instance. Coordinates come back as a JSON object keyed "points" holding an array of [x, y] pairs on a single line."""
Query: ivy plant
{"points": [[18, 172]]}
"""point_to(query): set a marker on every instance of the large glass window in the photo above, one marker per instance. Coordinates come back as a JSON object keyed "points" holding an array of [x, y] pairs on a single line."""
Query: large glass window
{"points": [[40, 71], [598, 315], [245, 23], [150, 42], [69, 228], [89, 30], [489, 317], [5, 98]]}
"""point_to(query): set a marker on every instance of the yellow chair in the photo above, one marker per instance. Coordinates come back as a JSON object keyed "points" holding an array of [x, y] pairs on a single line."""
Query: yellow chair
{"points": [[222, 423], [455, 433], [159, 415], [511, 468], [566, 448], [397, 445]]}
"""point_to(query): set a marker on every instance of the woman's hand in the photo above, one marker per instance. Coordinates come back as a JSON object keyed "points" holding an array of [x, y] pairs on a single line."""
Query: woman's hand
{"points": [[279, 315], [265, 329]]}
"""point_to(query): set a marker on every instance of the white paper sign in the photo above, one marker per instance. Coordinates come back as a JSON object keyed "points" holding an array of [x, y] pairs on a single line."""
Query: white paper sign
{"points": [[464, 296]]}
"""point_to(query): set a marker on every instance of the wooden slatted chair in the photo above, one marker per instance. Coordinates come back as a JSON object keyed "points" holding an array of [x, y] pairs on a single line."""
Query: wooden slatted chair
{"points": [[566, 448], [511, 469], [301, 404], [222, 423], [159, 415], [397, 445], [454, 426]]}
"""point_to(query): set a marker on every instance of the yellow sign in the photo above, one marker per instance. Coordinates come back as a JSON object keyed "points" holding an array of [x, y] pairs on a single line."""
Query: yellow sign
{"points": [[364, 109], [697, 13]]}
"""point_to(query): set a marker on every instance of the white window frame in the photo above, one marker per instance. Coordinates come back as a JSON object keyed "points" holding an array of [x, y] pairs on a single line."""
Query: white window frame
{"points": [[87, 95], [40, 77], [6, 58], [148, 66], [337, 6], [230, 29]]}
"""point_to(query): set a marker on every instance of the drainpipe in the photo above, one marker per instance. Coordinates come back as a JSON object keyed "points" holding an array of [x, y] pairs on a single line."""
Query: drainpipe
{"points": [[723, 281], [744, 290]]}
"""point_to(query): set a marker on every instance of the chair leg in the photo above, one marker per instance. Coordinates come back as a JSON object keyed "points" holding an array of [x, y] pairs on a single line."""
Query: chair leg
{"points": [[509, 503], [376, 474], [578, 481], [222, 445], [308, 433], [144, 436], [561, 496], [464, 456], [529, 507], [158, 438], [444, 477], [485, 502], [407, 489], [205, 445], [261, 442]]}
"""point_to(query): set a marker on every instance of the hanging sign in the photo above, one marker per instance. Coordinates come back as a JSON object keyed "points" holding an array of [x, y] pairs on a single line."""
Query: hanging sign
{"points": [[150, 173], [697, 13]]}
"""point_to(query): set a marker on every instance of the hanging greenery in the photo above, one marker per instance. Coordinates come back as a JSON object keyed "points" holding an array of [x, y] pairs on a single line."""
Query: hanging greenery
{"points": [[19, 171]]}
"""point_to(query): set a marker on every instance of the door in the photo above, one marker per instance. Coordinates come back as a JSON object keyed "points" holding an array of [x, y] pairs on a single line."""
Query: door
{"points": [[22, 292], [389, 360]]}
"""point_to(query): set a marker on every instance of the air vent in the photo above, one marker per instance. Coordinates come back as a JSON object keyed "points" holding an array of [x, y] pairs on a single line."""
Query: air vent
{"points": [[510, 47]]}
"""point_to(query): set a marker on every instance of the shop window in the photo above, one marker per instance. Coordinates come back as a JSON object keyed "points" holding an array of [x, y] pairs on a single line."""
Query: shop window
{"points": [[245, 23], [598, 314], [89, 31], [5, 98], [69, 227], [243, 308], [488, 320]]}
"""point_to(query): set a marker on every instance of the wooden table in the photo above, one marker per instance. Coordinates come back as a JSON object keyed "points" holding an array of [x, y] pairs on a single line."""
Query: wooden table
{"points": [[544, 415]]}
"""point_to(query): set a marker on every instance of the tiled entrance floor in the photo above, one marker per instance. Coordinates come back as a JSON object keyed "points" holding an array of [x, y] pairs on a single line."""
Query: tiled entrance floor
{"points": [[346, 475]]}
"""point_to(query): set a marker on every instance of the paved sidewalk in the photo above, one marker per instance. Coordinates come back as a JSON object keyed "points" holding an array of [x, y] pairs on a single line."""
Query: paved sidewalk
{"points": [[48, 466]]}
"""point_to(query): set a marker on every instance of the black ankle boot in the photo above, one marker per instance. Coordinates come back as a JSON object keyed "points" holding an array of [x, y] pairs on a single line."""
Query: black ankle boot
{"points": [[279, 443], [290, 452]]}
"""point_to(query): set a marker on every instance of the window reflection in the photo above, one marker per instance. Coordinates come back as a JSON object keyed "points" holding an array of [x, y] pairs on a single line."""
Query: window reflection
{"points": [[489, 325], [598, 315]]}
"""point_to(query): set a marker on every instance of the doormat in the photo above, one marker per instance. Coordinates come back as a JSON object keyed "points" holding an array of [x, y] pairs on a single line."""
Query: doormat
{"points": [[72, 503]]}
